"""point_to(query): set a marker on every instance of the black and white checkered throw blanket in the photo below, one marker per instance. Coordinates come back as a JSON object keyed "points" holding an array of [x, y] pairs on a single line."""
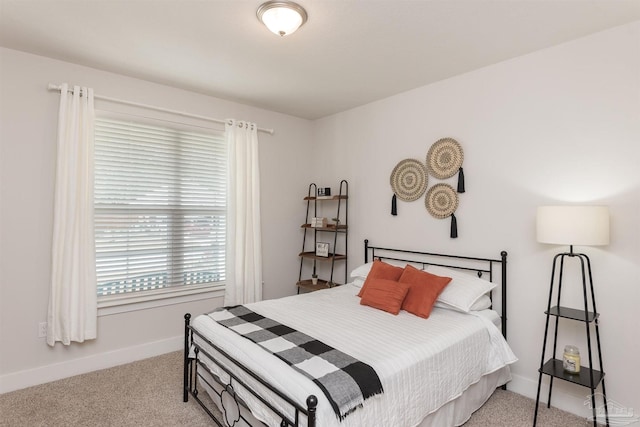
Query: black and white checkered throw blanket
{"points": [[346, 381]]}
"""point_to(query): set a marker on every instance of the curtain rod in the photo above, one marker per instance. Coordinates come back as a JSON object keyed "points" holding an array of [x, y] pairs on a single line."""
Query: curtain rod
{"points": [[151, 107]]}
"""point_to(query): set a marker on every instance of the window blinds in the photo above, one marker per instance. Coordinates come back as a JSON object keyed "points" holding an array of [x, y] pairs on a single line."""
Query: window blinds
{"points": [[160, 207]]}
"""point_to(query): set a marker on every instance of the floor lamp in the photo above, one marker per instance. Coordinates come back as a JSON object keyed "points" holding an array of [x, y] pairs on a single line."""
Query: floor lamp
{"points": [[583, 226]]}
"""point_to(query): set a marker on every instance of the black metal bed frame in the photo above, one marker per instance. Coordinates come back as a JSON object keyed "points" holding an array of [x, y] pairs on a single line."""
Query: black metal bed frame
{"points": [[193, 363], [191, 376], [473, 264]]}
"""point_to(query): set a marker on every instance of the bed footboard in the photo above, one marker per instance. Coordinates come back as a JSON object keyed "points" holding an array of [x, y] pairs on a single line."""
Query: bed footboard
{"points": [[196, 372]]}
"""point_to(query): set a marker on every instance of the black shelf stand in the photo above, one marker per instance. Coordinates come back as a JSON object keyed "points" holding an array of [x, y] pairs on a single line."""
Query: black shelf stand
{"points": [[339, 227], [553, 367]]}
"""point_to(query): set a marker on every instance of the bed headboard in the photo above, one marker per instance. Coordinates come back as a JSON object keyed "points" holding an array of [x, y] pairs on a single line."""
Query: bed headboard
{"points": [[495, 268]]}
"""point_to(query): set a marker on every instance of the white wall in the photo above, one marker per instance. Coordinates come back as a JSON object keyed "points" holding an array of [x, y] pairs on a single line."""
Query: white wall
{"points": [[558, 126], [28, 122]]}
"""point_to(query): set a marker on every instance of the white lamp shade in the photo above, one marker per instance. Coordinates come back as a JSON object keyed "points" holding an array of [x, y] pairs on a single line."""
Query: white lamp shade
{"points": [[573, 225], [282, 17]]}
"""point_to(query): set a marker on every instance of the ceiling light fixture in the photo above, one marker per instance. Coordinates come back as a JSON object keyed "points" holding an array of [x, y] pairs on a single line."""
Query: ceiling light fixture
{"points": [[282, 17]]}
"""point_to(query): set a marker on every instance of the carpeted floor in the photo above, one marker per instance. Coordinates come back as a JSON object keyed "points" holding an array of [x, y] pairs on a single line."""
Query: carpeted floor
{"points": [[149, 393], [508, 409]]}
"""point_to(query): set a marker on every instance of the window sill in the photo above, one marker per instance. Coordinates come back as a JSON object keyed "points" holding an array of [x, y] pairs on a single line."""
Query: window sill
{"points": [[115, 304]]}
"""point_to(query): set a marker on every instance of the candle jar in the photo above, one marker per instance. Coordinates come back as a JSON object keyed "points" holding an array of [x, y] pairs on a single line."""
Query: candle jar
{"points": [[571, 359]]}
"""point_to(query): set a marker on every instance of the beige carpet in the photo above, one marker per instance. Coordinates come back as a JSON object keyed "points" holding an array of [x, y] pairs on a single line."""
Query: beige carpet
{"points": [[149, 393]]}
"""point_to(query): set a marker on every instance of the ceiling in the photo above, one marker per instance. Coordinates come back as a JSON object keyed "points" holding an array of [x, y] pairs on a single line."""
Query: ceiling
{"points": [[349, 53]]}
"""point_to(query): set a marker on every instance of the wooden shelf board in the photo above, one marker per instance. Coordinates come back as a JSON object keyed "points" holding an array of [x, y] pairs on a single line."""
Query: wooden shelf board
{"points": [[337, 197], [329, 227], [308, 285], [312, 255]]}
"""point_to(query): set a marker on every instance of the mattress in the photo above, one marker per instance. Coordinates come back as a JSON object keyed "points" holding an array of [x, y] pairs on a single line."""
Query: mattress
{"points": [[422, 363]]}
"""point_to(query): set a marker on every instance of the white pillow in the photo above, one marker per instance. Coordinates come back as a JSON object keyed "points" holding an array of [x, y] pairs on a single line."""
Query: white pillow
{"points": [[483, 303], [463, 291], [362, 271], [358, 281]]}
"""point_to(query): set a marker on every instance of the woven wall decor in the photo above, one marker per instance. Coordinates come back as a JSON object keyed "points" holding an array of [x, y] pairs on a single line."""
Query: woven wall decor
{"points": [[441, 202], [444, 159], [408, 182]]}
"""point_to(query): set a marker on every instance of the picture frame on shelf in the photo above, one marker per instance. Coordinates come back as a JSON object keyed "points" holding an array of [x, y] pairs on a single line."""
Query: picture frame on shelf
{"points": [[322, 249], [324, 192], [318, 222]]}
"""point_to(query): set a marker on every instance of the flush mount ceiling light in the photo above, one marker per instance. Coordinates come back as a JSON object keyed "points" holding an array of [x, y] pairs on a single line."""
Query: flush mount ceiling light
{"points": [[282, 17]]}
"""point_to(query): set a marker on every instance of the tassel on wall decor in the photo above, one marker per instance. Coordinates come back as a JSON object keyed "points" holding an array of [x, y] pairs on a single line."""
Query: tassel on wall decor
{"points": [[461, 181], [454, 227]]}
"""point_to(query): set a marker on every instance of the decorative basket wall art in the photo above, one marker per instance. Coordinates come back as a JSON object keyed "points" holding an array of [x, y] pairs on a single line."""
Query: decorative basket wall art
{"points": [[410, 177], [444, 159], [441, 202], [408, 181]]}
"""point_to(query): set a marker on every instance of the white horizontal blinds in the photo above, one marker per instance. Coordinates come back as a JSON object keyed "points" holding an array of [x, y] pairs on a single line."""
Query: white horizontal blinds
{"points": [[160, 207]]}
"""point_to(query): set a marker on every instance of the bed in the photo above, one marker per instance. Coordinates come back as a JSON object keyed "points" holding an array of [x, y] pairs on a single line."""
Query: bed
{"points": [[431, 371]]}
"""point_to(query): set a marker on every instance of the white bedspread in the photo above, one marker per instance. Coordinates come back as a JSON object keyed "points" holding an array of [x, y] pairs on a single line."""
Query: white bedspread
{"points": [[422, 363]]}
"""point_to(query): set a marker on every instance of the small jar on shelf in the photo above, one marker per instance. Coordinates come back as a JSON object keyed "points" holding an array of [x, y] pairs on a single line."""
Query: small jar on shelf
{"points": [[571, 359]]}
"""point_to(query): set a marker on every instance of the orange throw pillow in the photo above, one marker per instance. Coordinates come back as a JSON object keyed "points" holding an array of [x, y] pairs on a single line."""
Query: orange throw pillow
{"points": [[385, 295], [423, 292], [381, 270]]}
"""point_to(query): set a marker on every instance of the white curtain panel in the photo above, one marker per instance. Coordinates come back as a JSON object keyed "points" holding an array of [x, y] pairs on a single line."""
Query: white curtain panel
{"points": [[244, 244], [73, 299]]}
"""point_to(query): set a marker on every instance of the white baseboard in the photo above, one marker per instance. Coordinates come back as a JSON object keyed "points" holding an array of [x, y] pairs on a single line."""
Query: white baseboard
{"points": [[48, 373]]}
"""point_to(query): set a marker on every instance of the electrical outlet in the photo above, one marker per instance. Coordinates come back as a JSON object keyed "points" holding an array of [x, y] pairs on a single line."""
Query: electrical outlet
{"points": [[42, 329]]}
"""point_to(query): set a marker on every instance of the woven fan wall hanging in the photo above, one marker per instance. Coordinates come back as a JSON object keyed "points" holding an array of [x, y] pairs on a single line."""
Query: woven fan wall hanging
{"points": [[444, 159], [408, 181], [441, 202]]}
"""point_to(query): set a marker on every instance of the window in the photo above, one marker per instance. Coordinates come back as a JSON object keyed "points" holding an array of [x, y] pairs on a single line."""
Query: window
{"points": [[160, 207]]}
